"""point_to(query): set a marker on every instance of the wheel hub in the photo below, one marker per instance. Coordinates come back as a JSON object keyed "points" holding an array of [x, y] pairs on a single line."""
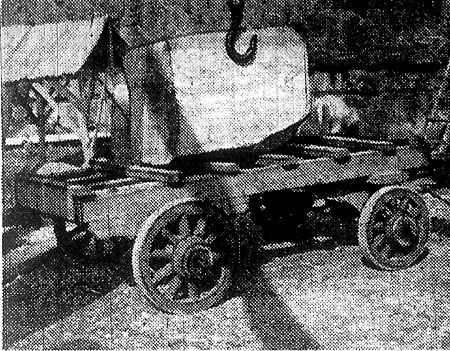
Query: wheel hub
{"points": [[197, 262], [401, 228], [192, 258]]}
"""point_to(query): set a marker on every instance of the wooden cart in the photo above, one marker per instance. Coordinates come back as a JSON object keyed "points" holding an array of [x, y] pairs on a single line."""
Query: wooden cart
{"points": [[186, 248]]}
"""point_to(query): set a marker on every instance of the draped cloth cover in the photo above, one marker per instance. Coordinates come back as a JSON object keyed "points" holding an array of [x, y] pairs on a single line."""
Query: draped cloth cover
{"points": [[48, 50]]}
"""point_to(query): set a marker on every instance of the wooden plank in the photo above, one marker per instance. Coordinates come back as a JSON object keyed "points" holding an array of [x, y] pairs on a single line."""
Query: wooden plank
{"points": [[361, 144], [114, 183], [278, 159], [222, 167], [390, 177], [348, 143], [154, 174], [315, 151]]}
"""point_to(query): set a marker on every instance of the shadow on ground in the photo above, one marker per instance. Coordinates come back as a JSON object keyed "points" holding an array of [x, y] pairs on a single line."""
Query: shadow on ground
{"points": [[441, 226], [419, 259], [272, 320], [18, 222], [55, 290]]}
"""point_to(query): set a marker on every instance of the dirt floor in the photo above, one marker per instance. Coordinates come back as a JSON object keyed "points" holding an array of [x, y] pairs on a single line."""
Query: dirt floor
{"points": [[321, 296], [317, 299]]}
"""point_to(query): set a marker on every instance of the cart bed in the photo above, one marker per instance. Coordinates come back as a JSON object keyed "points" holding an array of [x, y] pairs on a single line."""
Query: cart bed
{"points": [[115, 205]]}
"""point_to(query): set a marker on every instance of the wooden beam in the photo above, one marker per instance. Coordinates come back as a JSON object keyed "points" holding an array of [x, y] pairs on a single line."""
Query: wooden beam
{"points": [[22, 101], [278, 159], [348, 143], [75, 100], [222, 167], [360, 144], [42, 116], [80, 125], [154, 174], [110, 95], [362, 164], [389, 177], [316, 151], [43, 92], [151, 138]]}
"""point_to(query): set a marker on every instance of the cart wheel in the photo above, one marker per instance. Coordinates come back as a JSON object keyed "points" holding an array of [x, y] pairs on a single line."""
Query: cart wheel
{"points": [[393, 228], [184, 255]]}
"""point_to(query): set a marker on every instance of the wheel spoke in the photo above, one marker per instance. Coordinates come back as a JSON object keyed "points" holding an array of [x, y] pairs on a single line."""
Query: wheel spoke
{"points": [[167, 233], [378, 226], [183, 256], [162, 273], [393, 227], [173, 286], [379, 240], [184, 226], [200, 227], [387, 212], [392, 204], [212, 237], [403, 241], [387, 251], [404, 204], [167, 253], [193, 291]]}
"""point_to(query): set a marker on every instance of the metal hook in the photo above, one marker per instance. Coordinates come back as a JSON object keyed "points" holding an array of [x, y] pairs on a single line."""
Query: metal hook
{"points": [[237, 13]]}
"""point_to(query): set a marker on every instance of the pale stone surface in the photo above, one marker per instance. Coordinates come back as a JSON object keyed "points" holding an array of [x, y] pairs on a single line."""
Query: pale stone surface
{"points": [[216, 103]]}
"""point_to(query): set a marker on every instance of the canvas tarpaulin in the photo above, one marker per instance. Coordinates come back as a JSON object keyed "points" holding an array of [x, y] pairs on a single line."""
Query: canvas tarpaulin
{"points": [[48, 50]]}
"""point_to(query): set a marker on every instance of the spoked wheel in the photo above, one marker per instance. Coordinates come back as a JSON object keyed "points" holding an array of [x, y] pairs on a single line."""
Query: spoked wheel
{"points": [[393, 228], [184, 255]]}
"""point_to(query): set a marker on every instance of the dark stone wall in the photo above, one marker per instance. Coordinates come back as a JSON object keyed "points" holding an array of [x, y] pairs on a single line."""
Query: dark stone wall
{"points": [[383, 99]]}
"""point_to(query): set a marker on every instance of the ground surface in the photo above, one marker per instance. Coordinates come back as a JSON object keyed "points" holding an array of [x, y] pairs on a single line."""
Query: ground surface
{"points": [[300, 297]]}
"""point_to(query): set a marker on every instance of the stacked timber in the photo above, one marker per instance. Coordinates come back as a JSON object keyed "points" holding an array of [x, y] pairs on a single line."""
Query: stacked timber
{"points": [[187, 97]]}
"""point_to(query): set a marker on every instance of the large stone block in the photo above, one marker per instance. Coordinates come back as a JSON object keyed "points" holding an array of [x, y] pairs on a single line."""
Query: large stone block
{"points": [[190, 98]]}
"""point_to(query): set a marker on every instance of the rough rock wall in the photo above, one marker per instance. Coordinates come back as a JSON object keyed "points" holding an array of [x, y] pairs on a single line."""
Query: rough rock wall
{"points": [[389, 104]]}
